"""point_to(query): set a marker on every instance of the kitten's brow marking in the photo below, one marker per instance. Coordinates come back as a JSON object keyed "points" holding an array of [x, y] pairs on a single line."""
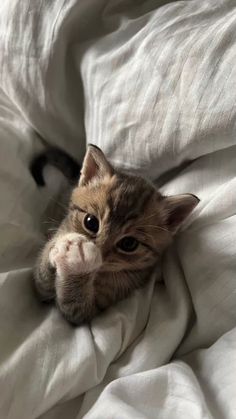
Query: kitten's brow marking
{"points": [[76, 208]]}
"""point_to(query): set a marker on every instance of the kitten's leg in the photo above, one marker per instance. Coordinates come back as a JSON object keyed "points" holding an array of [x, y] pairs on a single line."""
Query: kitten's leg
{"points": [[75, 298], [44, 274], [76, 261]]}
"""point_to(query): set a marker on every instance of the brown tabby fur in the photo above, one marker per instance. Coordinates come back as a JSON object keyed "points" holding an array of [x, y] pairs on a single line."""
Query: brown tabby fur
{"points": [[125, 205]]}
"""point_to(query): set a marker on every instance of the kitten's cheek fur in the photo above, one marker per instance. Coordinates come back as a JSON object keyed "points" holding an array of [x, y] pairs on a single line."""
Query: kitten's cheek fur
{"points": [[73, 254]]}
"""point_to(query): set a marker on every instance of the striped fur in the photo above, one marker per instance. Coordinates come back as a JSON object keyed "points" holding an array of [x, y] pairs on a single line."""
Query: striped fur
{"points": [[125, 205]]}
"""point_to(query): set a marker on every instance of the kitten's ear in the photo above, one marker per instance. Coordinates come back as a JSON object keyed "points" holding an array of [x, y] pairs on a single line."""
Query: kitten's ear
{"points": [[95, 165], [178, 208]]}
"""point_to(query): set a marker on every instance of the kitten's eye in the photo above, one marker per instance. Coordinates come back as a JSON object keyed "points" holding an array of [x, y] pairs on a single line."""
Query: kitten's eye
{"points": [[128, 244], [91, 223]]}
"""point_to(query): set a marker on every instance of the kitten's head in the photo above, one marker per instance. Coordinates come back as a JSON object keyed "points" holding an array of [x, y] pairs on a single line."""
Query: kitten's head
{"points": [[124, 215]]}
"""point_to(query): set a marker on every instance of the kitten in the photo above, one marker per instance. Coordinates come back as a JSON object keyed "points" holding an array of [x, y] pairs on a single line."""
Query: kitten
{"points": [[116, 228]]}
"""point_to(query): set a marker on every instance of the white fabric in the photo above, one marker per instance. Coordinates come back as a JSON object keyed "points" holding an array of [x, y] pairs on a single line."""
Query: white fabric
{"points": [[153, 85]]}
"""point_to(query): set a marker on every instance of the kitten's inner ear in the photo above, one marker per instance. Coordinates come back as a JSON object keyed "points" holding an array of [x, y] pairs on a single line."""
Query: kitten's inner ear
{"points": [[178, 208], [95, 165]]}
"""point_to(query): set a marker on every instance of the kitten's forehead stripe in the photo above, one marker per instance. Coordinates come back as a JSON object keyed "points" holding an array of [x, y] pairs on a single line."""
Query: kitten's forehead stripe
{"points": [[128, 197]]}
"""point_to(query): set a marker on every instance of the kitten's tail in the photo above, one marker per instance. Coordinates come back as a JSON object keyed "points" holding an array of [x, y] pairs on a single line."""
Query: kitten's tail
{"points": [[58, 158]]}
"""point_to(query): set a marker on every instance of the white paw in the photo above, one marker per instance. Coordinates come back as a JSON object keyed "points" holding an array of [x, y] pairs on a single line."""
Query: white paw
{"points": [[74, 254]]}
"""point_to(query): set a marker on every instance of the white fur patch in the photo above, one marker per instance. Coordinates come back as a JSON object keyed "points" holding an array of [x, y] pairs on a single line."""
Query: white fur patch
{"points": [[74, 254]]}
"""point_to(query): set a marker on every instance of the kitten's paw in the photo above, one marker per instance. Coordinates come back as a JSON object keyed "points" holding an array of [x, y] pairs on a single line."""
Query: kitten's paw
{"points": [[74, 254]]}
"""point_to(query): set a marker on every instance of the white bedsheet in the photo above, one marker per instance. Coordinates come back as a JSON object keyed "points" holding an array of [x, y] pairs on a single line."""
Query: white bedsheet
{"points": [[153, 85]]}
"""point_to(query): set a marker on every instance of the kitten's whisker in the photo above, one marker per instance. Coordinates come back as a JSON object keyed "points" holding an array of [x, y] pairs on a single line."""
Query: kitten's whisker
{"points": [[51, 220], [60, 204], [153, 215], [154, 226]]}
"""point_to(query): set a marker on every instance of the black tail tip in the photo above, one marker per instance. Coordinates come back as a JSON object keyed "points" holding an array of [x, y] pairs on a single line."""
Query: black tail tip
{"points": [[36, 169]]}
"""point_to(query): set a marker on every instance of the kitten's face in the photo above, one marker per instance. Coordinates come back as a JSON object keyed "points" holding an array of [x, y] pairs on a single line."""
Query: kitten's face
{"points": [[125, 216]]}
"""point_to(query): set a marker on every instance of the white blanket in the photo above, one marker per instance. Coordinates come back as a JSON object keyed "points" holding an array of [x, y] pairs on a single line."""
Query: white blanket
{"points": [[154, 85]]}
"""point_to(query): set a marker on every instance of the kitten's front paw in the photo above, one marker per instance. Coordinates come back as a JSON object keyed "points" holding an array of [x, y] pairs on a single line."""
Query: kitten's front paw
{"points": [[74, 254]]}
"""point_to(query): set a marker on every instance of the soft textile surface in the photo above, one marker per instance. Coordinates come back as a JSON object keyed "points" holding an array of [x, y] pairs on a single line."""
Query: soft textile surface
{"points": [[153, 84]]}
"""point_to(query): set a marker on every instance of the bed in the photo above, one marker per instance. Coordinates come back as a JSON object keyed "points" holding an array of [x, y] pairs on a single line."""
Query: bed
{"points": [[153, 84]]}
